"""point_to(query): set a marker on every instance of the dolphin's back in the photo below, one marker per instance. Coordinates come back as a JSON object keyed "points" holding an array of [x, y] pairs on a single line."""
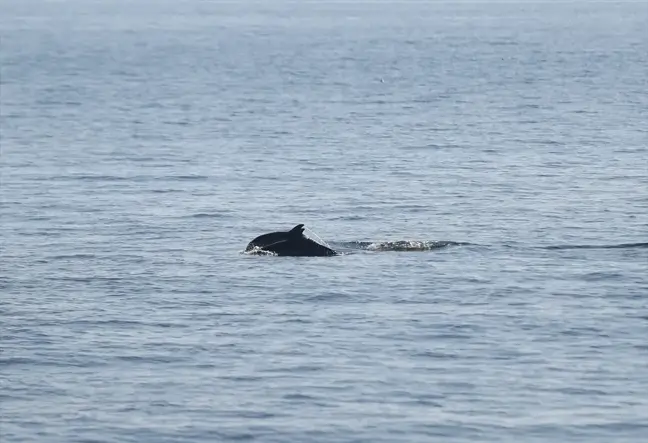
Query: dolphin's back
{"points": [[291, 242], [266, 240]]}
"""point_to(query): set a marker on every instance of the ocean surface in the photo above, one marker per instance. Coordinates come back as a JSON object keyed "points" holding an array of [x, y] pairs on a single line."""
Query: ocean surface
{"points": [[482, 166]]}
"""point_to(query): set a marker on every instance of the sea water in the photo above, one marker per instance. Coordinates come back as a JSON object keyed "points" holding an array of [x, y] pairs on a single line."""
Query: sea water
{"points": [[481, 165]]}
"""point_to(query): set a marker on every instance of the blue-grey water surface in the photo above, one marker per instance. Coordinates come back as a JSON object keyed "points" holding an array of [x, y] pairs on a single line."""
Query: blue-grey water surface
{"points": [[145, 143]]}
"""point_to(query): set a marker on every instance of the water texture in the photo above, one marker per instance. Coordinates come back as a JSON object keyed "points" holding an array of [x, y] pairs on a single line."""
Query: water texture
{"points": [[482, 167]]}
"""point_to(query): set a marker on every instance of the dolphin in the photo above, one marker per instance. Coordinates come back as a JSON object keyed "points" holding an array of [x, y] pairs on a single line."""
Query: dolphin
{"points": [[292, 242]]}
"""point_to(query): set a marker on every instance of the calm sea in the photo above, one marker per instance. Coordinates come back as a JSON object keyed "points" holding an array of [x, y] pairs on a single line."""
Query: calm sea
{"points": [[483, 167]]}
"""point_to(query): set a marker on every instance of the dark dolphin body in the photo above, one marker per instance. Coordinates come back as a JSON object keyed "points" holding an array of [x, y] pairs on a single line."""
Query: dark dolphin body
{"points": [[291, 242]]}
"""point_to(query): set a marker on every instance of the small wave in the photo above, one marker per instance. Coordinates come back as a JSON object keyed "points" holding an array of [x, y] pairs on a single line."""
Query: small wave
{"points": [[431, 146], [618, 246], [85, 279], [109, 322], [95, 177], [257, 251], [10, 361], [72, 256], [298, 396], [206, 215], [602, 276], [185, 177], [153, 359], [133, 178], [165, 191], [328, 297]]}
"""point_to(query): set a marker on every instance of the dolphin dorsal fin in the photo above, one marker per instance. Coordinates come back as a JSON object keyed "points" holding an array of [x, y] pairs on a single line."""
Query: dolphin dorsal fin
{"points": [[297, 230]]}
